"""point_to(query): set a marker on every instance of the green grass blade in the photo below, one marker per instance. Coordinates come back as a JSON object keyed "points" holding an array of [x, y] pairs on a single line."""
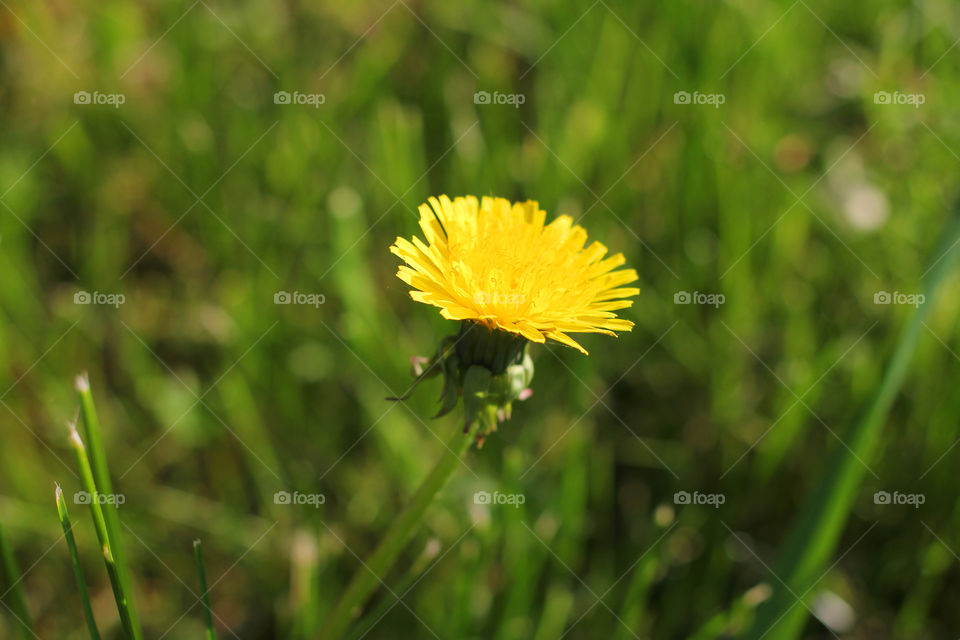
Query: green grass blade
{"points": [[101, 475], [100, 525], [14, 588], [371, 619], [557, 606], [731, 621], [90, 425], [364, 581], [306, 600], [77, 569], [816, 533], [204, 591]]}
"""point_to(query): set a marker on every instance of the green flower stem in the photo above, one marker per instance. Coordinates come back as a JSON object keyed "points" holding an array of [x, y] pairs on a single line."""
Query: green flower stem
{"points": [[370, 574]]}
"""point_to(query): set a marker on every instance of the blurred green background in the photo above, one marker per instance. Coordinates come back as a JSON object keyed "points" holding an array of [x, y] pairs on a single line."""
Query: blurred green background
{"points": [[202, 195]]}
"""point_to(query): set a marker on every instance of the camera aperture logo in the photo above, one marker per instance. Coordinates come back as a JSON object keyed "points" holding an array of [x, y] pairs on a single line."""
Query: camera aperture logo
{"points": [[112, 99], [298, 98], [485, 97], [111, 299], [712, 99], [297, 297], [912, 99], [513, 499], [886, 297], [82, 497], [711, 299], [896, 498], [312, 499], [711, 499]]}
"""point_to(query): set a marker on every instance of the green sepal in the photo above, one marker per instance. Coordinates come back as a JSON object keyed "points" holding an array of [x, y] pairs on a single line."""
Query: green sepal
{"points": [[476, 388], [488, 394], [451, 386]]}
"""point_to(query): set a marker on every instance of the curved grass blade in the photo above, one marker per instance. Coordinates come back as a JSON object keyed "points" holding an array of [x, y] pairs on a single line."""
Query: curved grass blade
{"points": [[75, 560], [14, 588], [120, 593], [90, 425], [730, 621], [816, 533], [371, 619], [363, 583]]}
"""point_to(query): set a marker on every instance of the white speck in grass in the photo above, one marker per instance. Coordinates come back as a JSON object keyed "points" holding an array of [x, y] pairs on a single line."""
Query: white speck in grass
{"points": [[866, 207], [74, 435], [844, 78], [432, 549], [304, 551], [479, 515], [758, 594], [82, 382], [547, 526], [664, 515], [344, 202], [834, 612]]}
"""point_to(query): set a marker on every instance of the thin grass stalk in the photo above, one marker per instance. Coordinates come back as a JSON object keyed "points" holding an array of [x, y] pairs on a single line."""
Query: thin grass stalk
{"points": [[372, 571], [75, 561], [386, 604], [100, 525], [636, 600], [816, 533], [90, 425], [204, 591], [14, 588], [557, 606], [305, 598], [733, 620]]}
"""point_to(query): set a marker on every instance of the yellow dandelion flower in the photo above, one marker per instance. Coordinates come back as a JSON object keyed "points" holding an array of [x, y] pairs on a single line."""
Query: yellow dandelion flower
{"points": [[498, 264]]}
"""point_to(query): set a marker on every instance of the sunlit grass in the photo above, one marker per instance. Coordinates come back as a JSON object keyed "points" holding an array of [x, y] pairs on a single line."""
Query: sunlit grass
{"points": [[213, 398]]}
